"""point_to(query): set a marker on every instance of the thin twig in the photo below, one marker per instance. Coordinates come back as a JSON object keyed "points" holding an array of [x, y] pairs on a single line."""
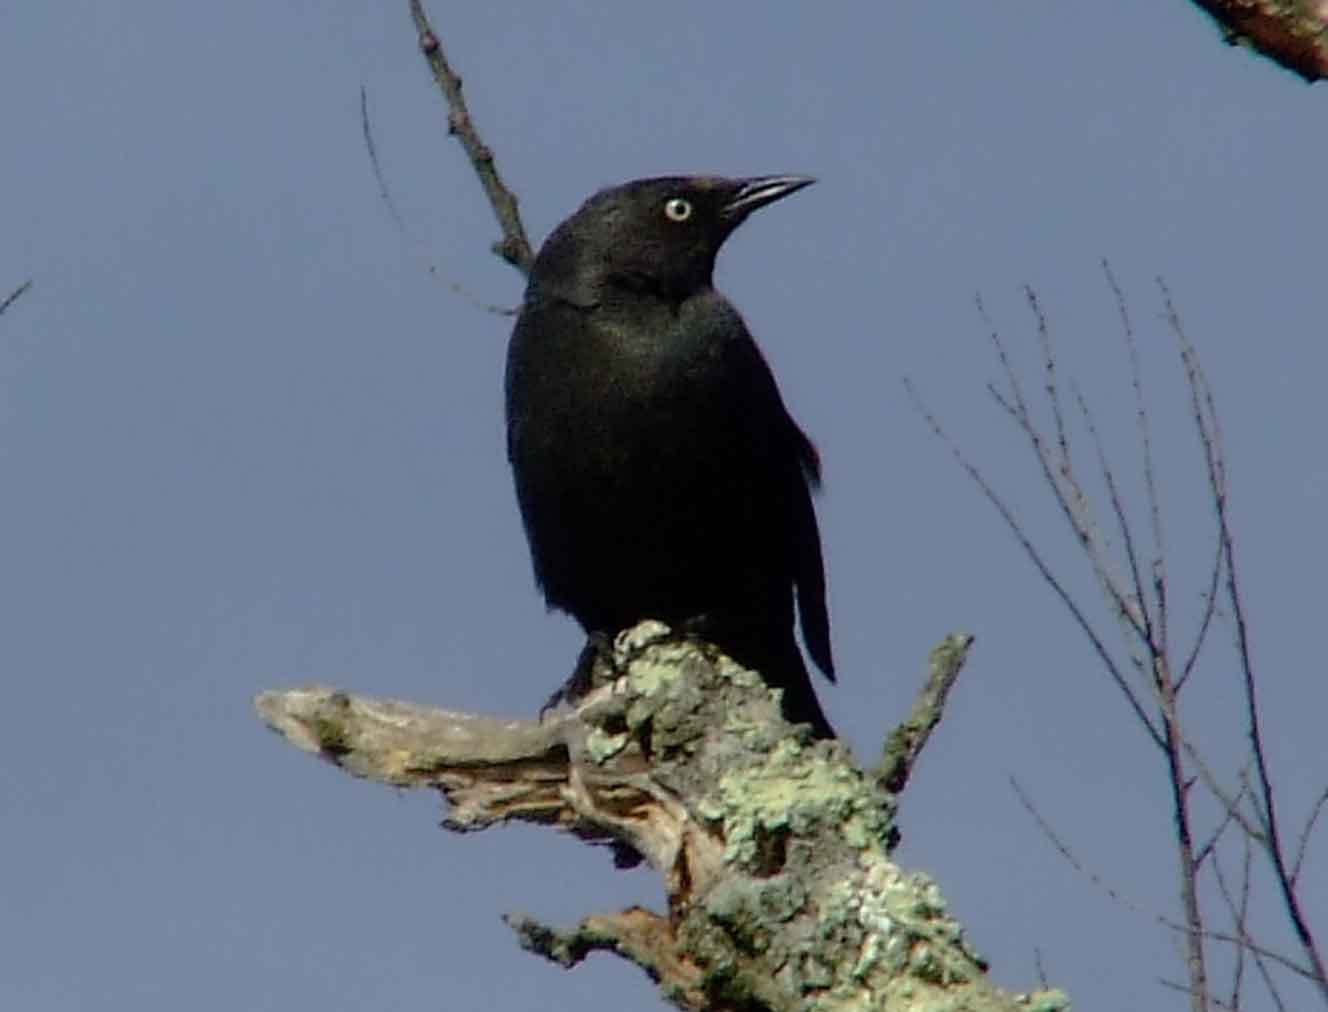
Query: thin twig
{"points": [[1229, 815], [514, 246], [1205, 415], [1230, 804], [1064, 849], [1077, 505], [1211, 439], [1230, 939], [14, 296], [1305, 834], [385, 194], [1240, 915], [1144, 424], [1040, 967], [1239, 911], [1206, 621], [1074, 505], [1069, 495], [1174, 985], [1035, 557], [1141, 621], [1059, 474], [462, 292], [1049, 371]]}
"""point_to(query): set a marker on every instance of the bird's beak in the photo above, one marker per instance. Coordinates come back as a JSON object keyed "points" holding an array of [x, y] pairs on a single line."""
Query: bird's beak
{"points": [[762, 190]]}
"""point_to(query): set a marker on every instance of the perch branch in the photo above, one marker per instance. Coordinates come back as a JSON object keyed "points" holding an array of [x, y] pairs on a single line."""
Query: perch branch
{"points": [[774, 847]]}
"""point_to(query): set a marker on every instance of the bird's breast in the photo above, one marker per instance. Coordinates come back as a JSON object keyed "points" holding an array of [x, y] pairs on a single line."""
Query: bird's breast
{"points": [[627, 384]]}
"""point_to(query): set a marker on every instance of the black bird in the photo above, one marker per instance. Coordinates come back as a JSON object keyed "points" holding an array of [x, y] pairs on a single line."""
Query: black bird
{"points": [[658, 472]]}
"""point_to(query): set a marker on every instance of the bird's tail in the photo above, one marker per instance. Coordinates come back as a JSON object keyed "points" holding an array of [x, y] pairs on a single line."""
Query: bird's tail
{"points": [[802, 707], [779, 661]]}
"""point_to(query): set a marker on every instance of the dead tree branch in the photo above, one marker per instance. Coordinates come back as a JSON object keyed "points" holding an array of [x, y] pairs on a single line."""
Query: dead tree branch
{"points": [[774, 848], [907, 741], [1291, 33], [514, 247]]}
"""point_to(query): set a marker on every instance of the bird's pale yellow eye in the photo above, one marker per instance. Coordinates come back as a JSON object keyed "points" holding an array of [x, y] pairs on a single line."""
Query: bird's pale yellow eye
{"points": [[678, 209]]}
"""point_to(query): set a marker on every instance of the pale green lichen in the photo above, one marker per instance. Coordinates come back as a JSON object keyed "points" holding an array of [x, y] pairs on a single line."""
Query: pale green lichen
{"points": [[663, 694], [795, 789], [774, 899], [601, 746], [328, 726], [793, 815], [1053, 1000]]}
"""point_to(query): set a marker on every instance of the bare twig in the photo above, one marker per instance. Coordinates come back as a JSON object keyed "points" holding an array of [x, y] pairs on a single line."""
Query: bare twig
{"points": [[1235, 940], [1186, 929], [14, 296], [1240, 917], [1059, 475], [1140, 601], [1064, 850], [1049, 372], [462, 292], [384, 191], [1206, 620], [1230, 815], [1239, 911], [1036, 558], [1230, 803], [1159, 566], [1307, 832], [1204, 412], [514, 246], [1186, 989], [1141, 618], [1038, 965], [1144, 426], [385, 194], [1218, 936]]}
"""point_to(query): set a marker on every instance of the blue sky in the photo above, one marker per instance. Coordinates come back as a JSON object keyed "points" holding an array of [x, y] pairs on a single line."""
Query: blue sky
{"points": [[250, 438]]}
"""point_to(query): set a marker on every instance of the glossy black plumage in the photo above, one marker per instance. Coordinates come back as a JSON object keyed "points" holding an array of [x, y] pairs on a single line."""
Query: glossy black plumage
{"points": [[658, 472]]}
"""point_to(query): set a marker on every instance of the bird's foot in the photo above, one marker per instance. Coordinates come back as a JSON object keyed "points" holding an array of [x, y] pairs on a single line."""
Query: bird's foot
{"points": [[697, 628], [594, 667]]}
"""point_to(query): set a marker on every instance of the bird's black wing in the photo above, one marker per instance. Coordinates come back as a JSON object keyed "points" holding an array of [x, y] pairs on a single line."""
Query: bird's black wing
{"points": [[795, 473], [809, 566]]}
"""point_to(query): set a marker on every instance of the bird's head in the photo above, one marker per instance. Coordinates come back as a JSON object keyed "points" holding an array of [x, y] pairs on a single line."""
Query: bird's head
{"points": [[657, 236]]}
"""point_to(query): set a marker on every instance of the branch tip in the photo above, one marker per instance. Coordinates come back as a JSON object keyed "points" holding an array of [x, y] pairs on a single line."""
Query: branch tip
{"points": [[906, 742]]}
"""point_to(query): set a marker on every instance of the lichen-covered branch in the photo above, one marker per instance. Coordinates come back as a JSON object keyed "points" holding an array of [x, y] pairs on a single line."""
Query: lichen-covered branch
{"points": [[907, 741], [774, 847], [1292, 33]]}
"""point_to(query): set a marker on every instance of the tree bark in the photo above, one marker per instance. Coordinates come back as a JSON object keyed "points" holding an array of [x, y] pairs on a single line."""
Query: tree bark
{"points": [[774, 848], [1292, 33]]}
